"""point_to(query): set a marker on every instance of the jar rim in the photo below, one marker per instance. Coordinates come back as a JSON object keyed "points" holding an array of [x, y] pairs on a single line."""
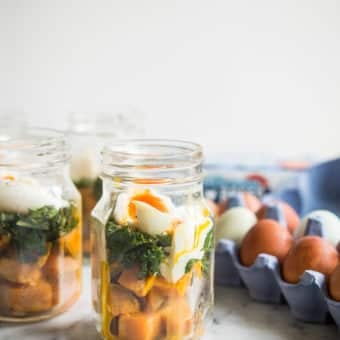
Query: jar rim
{"points": [[33, 148], [158, 159]]}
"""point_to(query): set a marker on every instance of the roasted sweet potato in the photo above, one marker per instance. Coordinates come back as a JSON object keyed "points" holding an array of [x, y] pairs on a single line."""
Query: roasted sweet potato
{"points": [[72, 242], [122, 301], [177, 318], [59, 266], [26, 299], [4, 241], [141, 326], [129, 279], [16, 272], [63, 273], [172, 289], [88, 203], [155, 300]]}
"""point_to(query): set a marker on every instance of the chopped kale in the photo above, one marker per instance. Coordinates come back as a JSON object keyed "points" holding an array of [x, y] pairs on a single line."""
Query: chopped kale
{"points": [[29, 244], [95, 185], [190, 265], [205, 261], [132, 247], [209, 241], [84, 183], [98, 189], [30, 233]]}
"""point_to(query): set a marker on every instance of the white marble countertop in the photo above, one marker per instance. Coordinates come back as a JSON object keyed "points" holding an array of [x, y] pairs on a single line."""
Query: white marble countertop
{"points": [[236, 315]]}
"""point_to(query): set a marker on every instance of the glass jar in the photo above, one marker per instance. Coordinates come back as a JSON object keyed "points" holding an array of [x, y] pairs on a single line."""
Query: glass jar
{"points": [[89, 132], [40, 226], [152, 258]]}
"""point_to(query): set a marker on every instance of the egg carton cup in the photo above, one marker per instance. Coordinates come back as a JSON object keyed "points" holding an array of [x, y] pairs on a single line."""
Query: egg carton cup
{"points": [[261, 279], [334, 309], [308, 299], [226, 272]]}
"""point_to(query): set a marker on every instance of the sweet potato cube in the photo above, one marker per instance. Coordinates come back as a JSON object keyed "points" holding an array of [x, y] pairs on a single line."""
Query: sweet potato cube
{"points": [[123, 301], [63, 273], [57, 265], [26, 299], [141, 326], [129, 279], [72, 242], [177, 318], [173, 289], [4, 241], [155, 300], [16, 272]]}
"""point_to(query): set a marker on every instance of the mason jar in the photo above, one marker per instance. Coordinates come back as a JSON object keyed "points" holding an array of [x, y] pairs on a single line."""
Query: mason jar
{"points": [[153, 235], [88, 133], [40, 226]]}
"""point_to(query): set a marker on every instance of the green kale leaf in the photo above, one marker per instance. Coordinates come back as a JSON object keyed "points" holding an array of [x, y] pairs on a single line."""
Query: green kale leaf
{"points": [[95, 186], [205, 261], [131, 247], [29, 233]]}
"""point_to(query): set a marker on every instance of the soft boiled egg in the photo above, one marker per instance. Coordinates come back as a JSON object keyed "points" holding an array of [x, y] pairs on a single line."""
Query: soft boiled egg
{"points": [[152, 221], [21, 194], [188, 244], [146, 210], [85, 165]]}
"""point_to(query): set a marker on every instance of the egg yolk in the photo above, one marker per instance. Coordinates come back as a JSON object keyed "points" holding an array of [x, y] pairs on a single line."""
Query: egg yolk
{"points": [[151, 181], [148, 198], [198, 233], [8, 178]]}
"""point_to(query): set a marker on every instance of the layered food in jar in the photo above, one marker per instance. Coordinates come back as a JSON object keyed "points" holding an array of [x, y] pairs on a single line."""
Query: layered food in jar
{"points": [[89, 132], [85, 175], [40, 249], [154, 281]]}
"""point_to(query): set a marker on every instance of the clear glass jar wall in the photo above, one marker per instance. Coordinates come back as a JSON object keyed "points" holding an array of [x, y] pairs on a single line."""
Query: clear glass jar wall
{"points": [[152, 258], [40, 226], [89, 133]]}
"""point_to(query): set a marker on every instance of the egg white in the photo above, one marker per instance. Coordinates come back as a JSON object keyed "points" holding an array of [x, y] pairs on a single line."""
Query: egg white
{"points": [[145, 211], [20, 195], [187, 243], [152, 221], [173, 271], [85, 165]]}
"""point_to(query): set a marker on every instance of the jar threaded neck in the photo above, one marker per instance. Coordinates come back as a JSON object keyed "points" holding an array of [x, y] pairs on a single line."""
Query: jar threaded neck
{"points": [[158, 161]]}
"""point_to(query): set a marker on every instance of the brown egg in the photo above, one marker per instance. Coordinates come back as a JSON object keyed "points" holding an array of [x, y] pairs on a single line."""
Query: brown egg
{"points": [[214, 208], [291, 217], [334, 284], [268, 237], [250, 201], [309, 253]]}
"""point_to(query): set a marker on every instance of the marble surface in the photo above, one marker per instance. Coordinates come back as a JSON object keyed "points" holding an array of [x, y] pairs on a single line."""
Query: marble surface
{"points": [[236, 315]]}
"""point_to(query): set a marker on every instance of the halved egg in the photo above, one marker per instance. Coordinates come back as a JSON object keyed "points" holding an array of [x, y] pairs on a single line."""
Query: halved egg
{"points": [[145, 209], [21, 194], [174, 269], [188, 244], [152, 221], [85, 165]]}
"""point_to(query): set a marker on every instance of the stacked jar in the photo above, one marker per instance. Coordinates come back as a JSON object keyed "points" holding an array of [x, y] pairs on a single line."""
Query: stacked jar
{"points": [[153, 236], [88, 134], [40, 226]]}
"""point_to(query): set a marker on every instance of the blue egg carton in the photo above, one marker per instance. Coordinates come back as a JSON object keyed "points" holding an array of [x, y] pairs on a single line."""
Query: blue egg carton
{"points": [[308, 300]]}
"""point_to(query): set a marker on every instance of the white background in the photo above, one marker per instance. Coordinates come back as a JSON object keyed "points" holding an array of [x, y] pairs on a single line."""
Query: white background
{"points": [[241, 75]]}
